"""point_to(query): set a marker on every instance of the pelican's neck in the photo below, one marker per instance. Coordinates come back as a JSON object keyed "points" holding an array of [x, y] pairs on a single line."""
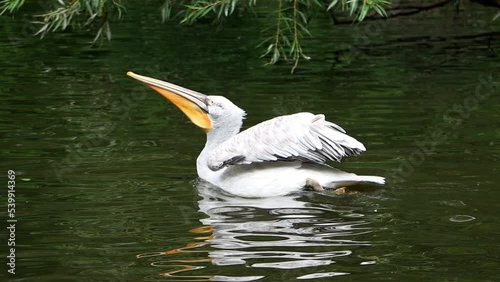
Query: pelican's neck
{"points": [[221, 131]]}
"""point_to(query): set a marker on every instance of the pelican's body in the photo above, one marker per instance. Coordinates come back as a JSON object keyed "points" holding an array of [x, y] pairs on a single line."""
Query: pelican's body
{"points": [[273, 158], [281, 178]]}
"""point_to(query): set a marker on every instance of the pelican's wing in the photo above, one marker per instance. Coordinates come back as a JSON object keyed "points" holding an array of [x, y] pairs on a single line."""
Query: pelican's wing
{"points": [[303, 136]]}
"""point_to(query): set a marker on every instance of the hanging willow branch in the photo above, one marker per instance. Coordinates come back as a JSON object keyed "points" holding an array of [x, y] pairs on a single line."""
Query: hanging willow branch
{"points": [[284, 38], [292, 18], [10, 5], [96, 14]]}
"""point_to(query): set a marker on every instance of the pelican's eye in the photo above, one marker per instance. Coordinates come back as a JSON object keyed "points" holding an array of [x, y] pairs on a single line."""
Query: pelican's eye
{"points": [[209, 102]]}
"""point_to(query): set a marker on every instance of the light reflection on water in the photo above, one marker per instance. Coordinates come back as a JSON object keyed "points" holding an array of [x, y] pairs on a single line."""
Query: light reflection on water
{"points": [[290, 233]]}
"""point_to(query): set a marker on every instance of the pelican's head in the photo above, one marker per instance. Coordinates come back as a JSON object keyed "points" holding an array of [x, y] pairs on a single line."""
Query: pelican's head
{"points": [[207, 112]]}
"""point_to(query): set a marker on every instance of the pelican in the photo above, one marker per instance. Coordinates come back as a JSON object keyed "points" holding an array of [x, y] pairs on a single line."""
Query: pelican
{"points": [[276, 157]]}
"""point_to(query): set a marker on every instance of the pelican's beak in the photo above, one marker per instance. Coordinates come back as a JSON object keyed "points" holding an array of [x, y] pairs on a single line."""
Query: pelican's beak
{"points": [[192, 103]]}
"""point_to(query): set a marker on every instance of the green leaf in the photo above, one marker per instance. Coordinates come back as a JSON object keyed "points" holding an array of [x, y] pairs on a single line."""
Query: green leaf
{"points": [[354, 6], [108, 30], [362, 13], [333, 3], [496, 16]]}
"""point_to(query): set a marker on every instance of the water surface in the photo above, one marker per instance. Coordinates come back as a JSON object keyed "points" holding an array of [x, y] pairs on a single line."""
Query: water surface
{"points": [[106, 174]]}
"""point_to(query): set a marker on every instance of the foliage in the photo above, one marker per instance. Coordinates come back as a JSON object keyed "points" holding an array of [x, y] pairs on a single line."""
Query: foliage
{"points": [[284, 37], [97, 13], [291, 19], [10, 6], [62, 14], [293, 16]]}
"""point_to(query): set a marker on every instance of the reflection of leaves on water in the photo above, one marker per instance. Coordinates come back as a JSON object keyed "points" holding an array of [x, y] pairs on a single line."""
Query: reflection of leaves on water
{"points": [[290, 104], [287, 233]]}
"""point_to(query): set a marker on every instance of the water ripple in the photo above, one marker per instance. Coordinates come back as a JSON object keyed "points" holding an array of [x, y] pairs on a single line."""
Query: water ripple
{"points": [[462, 218], [285, 233], [293, 264], [322, 275]]}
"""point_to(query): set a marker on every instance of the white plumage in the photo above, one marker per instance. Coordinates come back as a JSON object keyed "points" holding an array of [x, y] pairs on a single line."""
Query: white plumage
{"points": [[303, 136], [273, 158]]}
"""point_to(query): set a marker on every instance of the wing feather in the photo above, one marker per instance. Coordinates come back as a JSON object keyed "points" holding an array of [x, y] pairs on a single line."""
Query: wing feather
{"points": [[304, 136]]}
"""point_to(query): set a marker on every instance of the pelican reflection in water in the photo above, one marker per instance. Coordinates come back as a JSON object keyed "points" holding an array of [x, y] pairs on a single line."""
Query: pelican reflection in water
{"points": [[281, 239], [276, 157]]}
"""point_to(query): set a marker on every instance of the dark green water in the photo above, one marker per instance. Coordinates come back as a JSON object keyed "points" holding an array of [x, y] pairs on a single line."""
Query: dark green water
{"points": [[105, 168]]}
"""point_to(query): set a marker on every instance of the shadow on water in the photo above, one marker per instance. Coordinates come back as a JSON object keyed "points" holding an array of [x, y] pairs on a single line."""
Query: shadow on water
{"points": [[301, 236]]}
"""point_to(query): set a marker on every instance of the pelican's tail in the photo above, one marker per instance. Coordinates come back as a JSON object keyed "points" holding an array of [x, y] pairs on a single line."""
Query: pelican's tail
{"points": [[372, 179], [353, 179]]}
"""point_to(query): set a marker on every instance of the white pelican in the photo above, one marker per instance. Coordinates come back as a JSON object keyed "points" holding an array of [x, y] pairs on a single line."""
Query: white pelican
{"points": [[273, 158]]}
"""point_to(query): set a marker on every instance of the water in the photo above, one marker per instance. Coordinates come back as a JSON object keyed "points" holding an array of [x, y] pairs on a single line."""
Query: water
{"points": [[106, 183]]}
